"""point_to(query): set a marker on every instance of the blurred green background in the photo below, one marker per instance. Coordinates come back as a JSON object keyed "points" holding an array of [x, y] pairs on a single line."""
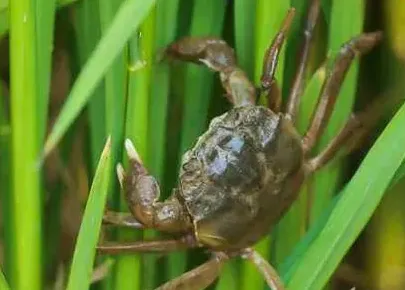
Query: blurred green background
{"points": [[59, 80]]}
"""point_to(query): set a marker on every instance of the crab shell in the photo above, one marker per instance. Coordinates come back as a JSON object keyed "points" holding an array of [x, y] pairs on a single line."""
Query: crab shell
{"points": [[241, 176]]}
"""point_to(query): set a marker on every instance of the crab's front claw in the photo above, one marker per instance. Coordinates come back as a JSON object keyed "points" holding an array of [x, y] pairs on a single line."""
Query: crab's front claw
{"points": [[214, 52], [142, 192], [134, 160]]}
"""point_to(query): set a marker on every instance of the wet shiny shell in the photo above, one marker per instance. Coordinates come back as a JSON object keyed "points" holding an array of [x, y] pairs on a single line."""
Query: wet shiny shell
{"points": [[235, 181]]}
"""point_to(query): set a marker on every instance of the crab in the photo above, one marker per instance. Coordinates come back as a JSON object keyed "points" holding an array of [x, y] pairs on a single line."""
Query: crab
{"points": [[246, 170]]}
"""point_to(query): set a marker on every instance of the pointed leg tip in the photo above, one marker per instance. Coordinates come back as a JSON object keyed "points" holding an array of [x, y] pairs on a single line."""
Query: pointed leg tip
{"points": [[131, 151], [120, 173]]}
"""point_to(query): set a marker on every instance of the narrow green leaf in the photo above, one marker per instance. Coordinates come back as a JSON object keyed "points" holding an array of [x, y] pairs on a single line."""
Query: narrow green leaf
{"points": [[45, 15], [310, 99], [4, 19], [245, 12], [88, 33], [85, 250], [166, 25], [5, 194], [26, 197], [344, 24], [4, 15], [207, 19], [129, 16], [354, 208]]}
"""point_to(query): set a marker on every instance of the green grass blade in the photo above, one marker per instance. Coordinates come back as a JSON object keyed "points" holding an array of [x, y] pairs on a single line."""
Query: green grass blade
{"points": [[4, 15], [207, 19], [26, 197], [128, 18], [88, 33], [126, 268], [228, 278], [114, 85], [45, 15], [166, 26], [5, 194], [400, 173], [244, 14], [3, 282], [85, 250], [354, 208], [309, 99], [344, 24]]}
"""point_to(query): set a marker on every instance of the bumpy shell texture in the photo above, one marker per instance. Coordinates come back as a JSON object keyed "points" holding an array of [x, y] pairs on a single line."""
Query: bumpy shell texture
{"points": [[236, 172]]}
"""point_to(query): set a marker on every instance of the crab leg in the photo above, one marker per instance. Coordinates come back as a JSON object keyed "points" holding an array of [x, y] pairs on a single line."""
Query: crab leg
{"points": [[351, 135], [333, 83], [334, 145], [200, 277], [268, 272], [153, 246], [268, 82], [217, 55], [121, 219], [296, 90]]}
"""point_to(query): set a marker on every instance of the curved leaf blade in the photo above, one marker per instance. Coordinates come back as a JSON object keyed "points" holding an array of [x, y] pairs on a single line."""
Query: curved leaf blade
{"points": [[85, 250]]}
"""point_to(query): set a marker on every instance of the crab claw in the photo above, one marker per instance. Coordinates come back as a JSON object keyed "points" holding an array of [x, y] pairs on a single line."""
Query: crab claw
{"points": [[131, 151], [121, 174]]}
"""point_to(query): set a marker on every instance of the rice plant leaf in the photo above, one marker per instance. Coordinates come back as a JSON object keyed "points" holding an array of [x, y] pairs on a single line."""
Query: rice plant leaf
{"points": [[26, 200], [130, 14], [45, 18], [344, 24], [5, 133], [208, 17], [4, 16], [399, 174], [310, 99], [353, 210], [85, 250], [245, 12], [166, 26], [88, 33]]}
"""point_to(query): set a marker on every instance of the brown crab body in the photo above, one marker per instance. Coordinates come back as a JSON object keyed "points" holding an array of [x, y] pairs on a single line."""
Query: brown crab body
{"points": [[241, 176]]}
